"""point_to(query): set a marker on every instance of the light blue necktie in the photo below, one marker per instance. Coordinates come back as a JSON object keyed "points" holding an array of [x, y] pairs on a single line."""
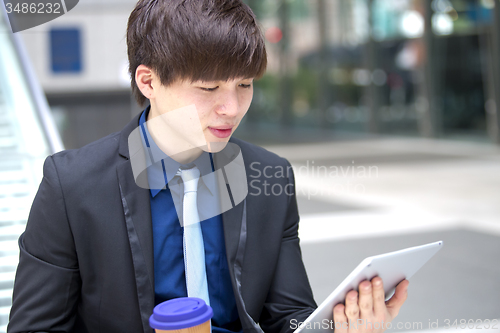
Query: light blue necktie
{"points": [[194, 249]]}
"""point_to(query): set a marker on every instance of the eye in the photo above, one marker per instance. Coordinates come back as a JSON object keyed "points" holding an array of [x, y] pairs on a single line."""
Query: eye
{"points": [[208, 88], [245, 85]]}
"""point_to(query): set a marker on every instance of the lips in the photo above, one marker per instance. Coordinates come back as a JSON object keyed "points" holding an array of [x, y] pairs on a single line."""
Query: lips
{"points": [[221, 132]]}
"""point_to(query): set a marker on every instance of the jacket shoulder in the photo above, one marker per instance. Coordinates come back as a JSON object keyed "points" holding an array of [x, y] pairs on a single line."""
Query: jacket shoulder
{"points": [[91, 152], [100, 153], [89, 161]]}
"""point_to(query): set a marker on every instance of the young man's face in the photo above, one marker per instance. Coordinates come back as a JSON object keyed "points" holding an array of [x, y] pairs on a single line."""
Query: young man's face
{"points": [[220, 105]]}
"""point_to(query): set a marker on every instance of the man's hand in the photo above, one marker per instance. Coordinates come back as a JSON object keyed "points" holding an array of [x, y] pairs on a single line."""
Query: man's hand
{"points": [[370, 312]]}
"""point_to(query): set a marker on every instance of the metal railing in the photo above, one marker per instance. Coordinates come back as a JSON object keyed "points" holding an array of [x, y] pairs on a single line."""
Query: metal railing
{"points": [[27, 135]]}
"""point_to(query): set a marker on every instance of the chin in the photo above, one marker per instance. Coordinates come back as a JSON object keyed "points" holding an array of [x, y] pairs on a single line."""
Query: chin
{"points": [[215, 146]]}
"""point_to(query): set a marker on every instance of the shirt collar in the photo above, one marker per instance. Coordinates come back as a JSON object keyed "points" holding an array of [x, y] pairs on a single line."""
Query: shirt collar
{"points": [[163, 168]]}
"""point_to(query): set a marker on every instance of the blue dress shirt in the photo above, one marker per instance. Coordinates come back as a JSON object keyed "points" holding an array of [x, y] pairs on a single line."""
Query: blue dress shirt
{"points": [[170, 281]]}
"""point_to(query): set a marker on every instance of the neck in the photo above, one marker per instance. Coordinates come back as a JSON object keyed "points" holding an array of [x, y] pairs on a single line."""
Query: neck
{"points": [[175, 136], [187, 156]]}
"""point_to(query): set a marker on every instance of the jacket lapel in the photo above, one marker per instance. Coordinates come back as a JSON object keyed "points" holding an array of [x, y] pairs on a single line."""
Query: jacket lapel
{"points": [[235, 233], [137, 210], [231, 220]]}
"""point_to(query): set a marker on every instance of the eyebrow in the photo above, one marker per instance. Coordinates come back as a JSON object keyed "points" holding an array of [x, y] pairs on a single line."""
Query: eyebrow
{"points": [[221, 81]]}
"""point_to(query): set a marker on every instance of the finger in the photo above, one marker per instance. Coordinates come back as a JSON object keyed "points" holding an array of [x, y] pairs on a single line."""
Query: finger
{"points": [[351, 306], [340, 319], [378, 296], [398, 299], [365, 300]]}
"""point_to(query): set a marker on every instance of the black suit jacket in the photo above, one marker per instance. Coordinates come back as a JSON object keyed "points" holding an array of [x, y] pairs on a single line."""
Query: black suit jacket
{"points": [[86, 257]]}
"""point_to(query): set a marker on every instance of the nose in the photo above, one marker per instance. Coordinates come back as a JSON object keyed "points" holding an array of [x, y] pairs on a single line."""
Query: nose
{"points": [[228, 104]]}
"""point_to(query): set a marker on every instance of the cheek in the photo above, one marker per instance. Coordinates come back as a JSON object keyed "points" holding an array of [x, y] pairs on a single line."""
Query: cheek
{"points": [[245, 102], [204, 108], [204, 118]]}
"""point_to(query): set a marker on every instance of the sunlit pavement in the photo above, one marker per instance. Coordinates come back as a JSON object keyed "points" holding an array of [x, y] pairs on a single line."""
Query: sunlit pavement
{"points": [[366, 197]]}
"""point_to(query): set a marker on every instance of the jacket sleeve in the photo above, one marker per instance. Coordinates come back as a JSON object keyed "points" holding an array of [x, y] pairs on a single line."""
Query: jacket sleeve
{"points": [[290, 299], [47, 284]]}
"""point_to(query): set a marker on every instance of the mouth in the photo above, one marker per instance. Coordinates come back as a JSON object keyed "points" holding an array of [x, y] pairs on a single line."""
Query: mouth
{"points": [[221, 132]]}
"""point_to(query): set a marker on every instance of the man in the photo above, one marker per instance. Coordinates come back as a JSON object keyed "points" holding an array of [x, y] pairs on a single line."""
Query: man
{"points": [[100, 251]]}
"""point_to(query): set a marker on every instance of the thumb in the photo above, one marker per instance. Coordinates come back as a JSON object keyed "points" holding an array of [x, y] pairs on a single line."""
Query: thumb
{"points": [[398, 299]]}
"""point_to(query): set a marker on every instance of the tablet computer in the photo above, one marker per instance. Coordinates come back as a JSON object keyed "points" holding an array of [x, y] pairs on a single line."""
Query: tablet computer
{"points": [[392, 267]]}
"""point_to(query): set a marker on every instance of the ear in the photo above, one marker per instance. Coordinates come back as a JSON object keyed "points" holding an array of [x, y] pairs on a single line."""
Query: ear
{"points": [[144, 78]]}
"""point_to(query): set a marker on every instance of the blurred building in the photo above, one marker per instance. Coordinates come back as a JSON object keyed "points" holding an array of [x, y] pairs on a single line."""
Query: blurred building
{"points": [[406, 67], [80, 59]]}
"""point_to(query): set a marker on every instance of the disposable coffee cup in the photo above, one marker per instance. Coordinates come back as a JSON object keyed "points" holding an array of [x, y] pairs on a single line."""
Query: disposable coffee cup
{"points": [[181, 315]]}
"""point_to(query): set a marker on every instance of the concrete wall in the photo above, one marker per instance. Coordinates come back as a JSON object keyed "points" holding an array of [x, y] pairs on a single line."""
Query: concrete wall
{"points": [[102, 27]]}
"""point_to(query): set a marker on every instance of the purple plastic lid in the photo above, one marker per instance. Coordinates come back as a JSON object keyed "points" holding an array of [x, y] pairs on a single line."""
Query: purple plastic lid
{"points": [[179, 313]]}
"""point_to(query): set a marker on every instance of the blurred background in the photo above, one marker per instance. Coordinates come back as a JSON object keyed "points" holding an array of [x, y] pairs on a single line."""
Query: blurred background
{"points": [[387, 110]]}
